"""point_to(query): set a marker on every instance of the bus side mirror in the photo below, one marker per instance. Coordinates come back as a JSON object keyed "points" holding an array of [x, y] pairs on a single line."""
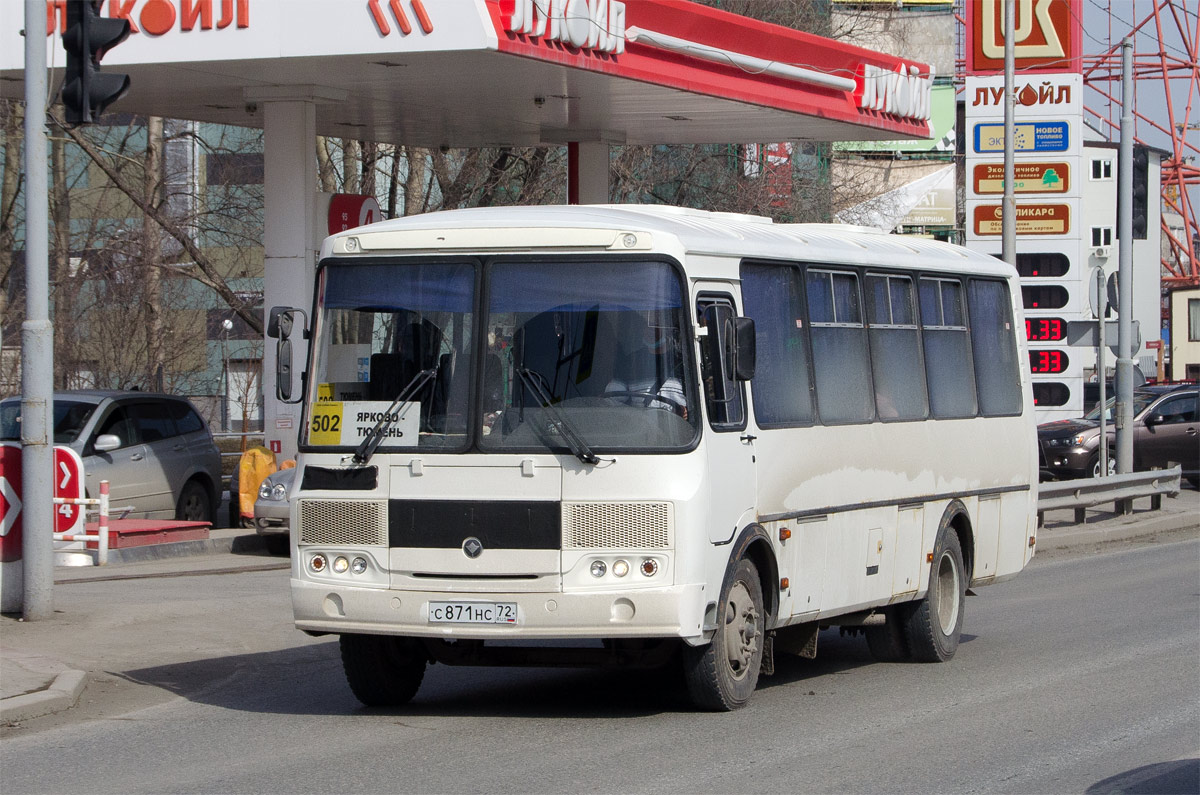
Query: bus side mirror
{"points": [[279, 327], [745, 350]]}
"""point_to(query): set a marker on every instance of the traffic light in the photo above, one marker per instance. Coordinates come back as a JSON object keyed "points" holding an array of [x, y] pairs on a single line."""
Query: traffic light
{"points": [[1141, 186], [86, 92]]}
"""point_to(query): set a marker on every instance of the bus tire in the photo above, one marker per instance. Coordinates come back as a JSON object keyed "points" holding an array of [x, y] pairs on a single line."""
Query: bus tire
{"points": [[723, 674], [382, 670], [935, 624], [889, 643]]}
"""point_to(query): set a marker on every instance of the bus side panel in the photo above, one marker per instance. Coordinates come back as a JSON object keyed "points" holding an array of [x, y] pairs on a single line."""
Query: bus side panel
{"points": [[986, 529], [909, 525], [1016, 510]]}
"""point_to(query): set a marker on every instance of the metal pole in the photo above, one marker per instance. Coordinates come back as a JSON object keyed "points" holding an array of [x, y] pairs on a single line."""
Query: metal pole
{"points": [[1124, 407], [1101, 307], [1008, 220], [37, 337], [102, 526]]}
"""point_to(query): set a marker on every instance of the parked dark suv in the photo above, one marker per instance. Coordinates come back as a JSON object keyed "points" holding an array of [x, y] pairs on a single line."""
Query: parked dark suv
{"points": [[1165, 427], [154, 450]]}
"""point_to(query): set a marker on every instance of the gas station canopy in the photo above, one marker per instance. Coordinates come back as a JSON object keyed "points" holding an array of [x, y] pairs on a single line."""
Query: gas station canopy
{"points": [[498, 72]]}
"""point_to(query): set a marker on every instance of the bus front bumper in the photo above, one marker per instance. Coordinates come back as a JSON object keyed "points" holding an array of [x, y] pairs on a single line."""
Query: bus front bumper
{"points": [[672, 612]]}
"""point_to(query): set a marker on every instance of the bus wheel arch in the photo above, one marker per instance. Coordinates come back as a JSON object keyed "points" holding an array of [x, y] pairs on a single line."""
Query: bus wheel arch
{"points": [[958, 519], [754, 544]]}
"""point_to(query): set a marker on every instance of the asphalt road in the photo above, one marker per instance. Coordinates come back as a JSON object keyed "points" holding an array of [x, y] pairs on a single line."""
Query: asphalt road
{"points": [[1082, 675]]}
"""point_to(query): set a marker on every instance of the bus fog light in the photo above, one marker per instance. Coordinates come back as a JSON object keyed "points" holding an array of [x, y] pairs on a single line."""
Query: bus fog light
{"points": [[649, 567], [341, 565], [621, 568], [317, 563], [598, 568], [358, 565]]}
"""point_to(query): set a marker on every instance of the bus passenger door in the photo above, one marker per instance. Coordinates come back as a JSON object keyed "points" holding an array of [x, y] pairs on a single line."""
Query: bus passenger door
{"points": [[729, 445]]}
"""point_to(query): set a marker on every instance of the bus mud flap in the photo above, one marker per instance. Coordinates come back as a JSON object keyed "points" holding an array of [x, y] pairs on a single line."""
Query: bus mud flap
{"points": [[768, 659], [799, 639]]}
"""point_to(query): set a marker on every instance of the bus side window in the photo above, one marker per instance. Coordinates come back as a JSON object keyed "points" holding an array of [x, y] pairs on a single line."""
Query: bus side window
{"points": [[724, 396]]}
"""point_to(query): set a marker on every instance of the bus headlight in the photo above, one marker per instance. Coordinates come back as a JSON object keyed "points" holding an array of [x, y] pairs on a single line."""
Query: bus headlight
{"points": [[340, 565], [620, 568], [599, 567], [358, 565]]}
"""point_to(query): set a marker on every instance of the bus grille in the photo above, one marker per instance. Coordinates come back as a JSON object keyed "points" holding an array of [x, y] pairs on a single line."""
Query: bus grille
{"points": [[358, 522], [617, 525]]}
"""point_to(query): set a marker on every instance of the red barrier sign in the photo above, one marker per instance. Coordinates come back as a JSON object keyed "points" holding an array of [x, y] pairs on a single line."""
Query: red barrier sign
{"points": [[68, 483], [10, 502]]}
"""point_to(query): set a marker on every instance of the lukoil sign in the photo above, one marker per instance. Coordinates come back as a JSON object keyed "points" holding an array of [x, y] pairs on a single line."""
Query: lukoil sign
{"points": [[585, 24], [158, 17], [903, 91]]}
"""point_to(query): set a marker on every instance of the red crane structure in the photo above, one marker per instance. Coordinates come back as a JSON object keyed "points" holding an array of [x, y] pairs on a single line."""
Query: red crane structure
{"points": [[1166, 51]]}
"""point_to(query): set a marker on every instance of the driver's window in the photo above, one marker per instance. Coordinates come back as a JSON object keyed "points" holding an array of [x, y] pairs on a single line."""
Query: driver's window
{"points": [[1177, 409], [723, 393], [120, 424]]}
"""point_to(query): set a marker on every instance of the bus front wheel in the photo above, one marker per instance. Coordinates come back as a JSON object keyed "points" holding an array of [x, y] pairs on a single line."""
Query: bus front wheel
{"points": [[723, 674], [383, 671], [935, 624]]}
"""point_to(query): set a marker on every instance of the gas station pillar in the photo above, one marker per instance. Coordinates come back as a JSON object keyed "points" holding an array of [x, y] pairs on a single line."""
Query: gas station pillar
{"points": [[587, 172], [290, 235]]}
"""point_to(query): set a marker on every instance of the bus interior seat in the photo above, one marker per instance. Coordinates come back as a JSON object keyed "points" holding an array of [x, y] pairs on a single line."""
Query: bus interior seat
{"points": [[417, 349], [447, 412]]}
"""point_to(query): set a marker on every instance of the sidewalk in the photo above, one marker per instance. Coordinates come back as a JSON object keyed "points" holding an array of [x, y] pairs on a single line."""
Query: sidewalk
{"points": [[32, 685]]}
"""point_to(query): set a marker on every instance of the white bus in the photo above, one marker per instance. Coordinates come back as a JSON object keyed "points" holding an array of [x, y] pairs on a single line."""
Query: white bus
{"points": [[634, 435]]}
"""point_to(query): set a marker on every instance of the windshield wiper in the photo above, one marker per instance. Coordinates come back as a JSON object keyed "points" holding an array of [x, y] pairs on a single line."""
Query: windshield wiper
{"points": [[558, 422], [374, 437]]}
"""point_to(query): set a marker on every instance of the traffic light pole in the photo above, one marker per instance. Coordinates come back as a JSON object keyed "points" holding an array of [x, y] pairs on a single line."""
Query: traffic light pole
{"points": [[37, 338], [1008, 218], [1124, 401]]}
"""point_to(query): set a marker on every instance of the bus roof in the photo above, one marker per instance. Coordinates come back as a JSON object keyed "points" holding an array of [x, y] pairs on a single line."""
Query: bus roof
{"points": [[653, 228]]}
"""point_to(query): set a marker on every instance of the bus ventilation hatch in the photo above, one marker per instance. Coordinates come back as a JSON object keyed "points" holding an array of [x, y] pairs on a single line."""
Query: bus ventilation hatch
{"points": [[617, 525], [351, 522]]}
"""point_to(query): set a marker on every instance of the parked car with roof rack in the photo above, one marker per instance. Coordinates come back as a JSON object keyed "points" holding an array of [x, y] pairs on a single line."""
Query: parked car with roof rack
{"points": [[155, 450]]}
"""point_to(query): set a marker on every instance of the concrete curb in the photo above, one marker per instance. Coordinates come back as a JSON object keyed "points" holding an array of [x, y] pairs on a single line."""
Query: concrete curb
{"points": [[240, 544], [1116, 530], [62, 694]]}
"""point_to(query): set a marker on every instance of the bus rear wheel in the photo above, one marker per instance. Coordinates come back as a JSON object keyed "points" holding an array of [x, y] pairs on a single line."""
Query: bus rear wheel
{"points": [[722, 675], [935, 624], [383, 671]]}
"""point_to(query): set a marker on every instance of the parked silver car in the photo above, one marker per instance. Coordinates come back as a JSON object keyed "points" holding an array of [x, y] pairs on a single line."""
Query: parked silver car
{"points": [[271, 509], [155, 450]]}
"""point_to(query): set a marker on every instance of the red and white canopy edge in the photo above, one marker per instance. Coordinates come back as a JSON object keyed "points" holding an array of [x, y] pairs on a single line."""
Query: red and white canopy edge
{"points": [[444, 73]]}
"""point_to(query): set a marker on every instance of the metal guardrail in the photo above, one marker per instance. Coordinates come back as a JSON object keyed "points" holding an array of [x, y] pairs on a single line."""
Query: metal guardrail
{"points": [[1121, 490]]}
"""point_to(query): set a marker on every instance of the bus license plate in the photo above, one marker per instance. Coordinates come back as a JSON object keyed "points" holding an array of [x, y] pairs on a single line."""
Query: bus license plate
{"points": [[473, 612]]}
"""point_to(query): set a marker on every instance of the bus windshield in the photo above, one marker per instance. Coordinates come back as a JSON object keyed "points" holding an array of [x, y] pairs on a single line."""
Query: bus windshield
{"points": [[595, 346], [567, 357]]}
